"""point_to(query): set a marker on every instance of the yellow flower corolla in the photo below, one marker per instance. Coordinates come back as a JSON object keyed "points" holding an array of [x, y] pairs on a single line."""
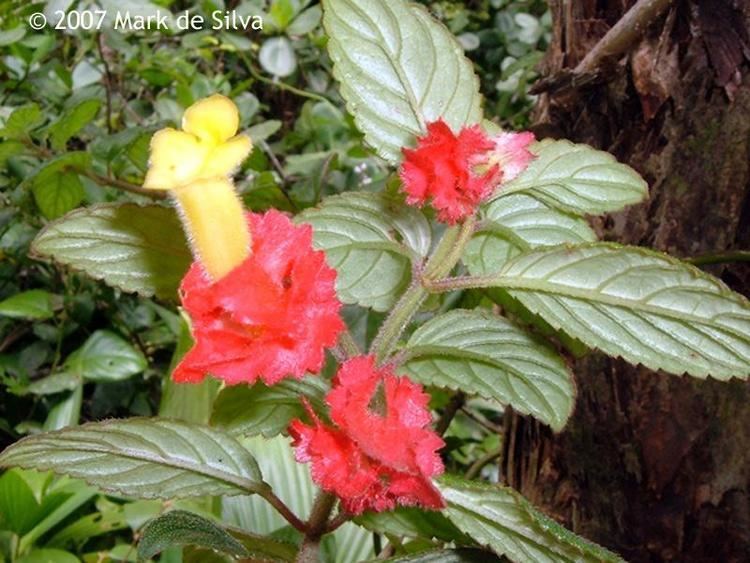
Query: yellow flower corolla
{"points": [[195, 165]]}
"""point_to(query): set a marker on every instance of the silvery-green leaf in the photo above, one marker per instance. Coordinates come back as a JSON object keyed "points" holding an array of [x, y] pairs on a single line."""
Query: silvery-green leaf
{"points": [[399, 69], [635, 303], [578, 179], [132, 247], [371, 241], [143, 457], [258, 409], [519, 222], [483, 354], [501, 519]]}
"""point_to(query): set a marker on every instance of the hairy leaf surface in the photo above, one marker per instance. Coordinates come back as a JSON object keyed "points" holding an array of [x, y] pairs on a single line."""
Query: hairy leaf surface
{"points": [[481, 353], [371, 240], [134, 248], [636, 303], [399, 69], [146, 458]]}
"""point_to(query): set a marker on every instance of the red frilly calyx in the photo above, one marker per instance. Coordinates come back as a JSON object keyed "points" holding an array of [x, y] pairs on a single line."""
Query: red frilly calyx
{"points": [[381, 453], [269, 318], [457, 172]]}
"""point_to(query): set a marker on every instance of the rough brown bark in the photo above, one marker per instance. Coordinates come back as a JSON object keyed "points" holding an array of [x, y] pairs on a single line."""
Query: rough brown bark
{"points": [[654, 466]]}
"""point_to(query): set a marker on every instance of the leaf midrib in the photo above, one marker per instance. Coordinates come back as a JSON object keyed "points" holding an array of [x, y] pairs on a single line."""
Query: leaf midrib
{"points": [[235, 481], [592, 297]]}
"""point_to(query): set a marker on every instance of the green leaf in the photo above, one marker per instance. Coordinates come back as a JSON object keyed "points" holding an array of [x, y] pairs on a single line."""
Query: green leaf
{"points": [[10, 36], [399, 69], [134, 248], [19, 508], [22, 121], [58, 194], [578, 178], [191, 402], [371, 241], [501, 519], [106, 357], [277, 57], [56, 186], [262, 131], [9, 149], [447, 556], [306, 22], [412, 522], [483, 354], [635, 303], [89, 526], [520, 222], [145, 458], [65, 413], [55, 383], [256, 409], [49, 556], [54, 513], [180, 527], [35, 304], [72, 121]]}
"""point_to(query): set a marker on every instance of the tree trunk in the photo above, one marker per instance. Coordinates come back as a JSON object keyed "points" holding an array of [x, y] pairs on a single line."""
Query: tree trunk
{"points": [[654, 466]]}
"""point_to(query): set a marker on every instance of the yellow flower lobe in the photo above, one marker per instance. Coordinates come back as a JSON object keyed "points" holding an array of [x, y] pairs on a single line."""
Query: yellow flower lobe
{"points": [[195, 165]]}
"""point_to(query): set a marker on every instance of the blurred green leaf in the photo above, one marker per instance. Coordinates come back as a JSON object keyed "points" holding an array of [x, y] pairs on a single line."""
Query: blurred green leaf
{"points": [[72, 121], [105, 356], [35, 304], [19, 508], [277, 57], [180, 527], [49, 556], [306, 21], [22, 121]]}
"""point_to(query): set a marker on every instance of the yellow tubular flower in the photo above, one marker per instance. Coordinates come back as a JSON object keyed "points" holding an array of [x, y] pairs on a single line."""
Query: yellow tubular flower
{"points": [[195, 165]]}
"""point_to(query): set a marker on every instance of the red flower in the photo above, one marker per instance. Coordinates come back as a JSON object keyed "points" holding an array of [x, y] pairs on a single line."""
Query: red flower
{"points": [[445, 167], [441, 168], [381, 454], [271, 317]]}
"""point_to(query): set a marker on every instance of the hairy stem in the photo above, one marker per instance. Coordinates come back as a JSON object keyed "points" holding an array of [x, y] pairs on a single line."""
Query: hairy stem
{"points": [[282, 509], [316, 526], [445, 257]]}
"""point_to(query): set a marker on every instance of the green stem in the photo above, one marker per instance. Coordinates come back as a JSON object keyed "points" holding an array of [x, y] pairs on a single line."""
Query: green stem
{"points": [[445, 257], [720, 258], [279, 84], [463, 282]]}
